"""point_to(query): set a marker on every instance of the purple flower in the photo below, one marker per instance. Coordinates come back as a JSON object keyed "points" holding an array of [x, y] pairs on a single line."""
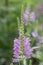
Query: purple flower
{"points": [[32, 16], [15, 60], [27, 49], [26, 17], [17, 52], [40, 9], [26, 11]]}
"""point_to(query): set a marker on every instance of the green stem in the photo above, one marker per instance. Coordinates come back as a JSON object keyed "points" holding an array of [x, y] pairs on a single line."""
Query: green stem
{"points": [[37, 47], [30, 62], [19, 63], [23, 61]]}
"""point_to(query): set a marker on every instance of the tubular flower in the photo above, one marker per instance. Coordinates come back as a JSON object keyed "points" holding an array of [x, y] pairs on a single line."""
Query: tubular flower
{"points": [[17, 52], [26, 17], [27, 49]]}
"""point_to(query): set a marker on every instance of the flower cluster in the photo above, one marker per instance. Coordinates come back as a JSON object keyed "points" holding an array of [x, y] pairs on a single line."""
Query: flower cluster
{"points": [[22, 49], [17, 52], [27, 49], [31, 16]]}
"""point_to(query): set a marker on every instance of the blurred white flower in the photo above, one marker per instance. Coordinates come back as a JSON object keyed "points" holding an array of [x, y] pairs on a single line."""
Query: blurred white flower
{"points": [[34, 34], [32, 16]]}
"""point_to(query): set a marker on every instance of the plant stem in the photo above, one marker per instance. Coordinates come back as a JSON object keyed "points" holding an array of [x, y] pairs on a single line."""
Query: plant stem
{"points": [[24, 61], [19, 63], [37, 47], [30, 62]]}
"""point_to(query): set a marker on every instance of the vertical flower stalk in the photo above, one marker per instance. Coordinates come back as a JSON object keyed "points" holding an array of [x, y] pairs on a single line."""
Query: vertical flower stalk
{"points": [[22, 33], [22, 49], [22, 28]]}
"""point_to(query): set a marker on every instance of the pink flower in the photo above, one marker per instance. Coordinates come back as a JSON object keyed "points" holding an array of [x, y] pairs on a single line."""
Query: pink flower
{"points": [[32, 16], [26, 17], [16, 49], [27, 48]]}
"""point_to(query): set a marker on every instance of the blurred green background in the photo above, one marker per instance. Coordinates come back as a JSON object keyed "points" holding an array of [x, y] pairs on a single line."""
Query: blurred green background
{"points": [[9, 11]]}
